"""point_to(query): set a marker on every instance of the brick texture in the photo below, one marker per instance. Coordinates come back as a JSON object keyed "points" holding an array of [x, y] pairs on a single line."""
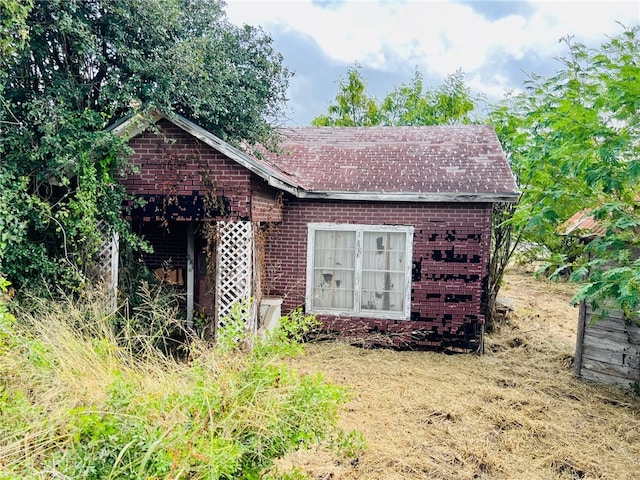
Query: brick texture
{"points": [[266, 202], [183, 179], [450, 262]]}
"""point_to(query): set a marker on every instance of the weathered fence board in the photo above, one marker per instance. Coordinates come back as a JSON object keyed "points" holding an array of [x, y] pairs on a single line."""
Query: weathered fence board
{"points": [[607, 348], [596, 353], [610, 368], [602, 377], [601, 339]]}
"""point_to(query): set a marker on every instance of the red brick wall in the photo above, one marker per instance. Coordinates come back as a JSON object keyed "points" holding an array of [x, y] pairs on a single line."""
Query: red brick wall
{"points": [[266, 202], [184, 180], [176, 171], [450, 261]]}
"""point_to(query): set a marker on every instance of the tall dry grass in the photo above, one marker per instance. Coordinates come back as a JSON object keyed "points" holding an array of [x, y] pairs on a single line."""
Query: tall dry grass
{"points": [[64, 356], [516, 413], [81, 398]]}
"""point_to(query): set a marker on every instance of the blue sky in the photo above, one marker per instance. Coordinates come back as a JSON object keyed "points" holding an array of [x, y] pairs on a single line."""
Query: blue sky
{"points": [[495, 43]]}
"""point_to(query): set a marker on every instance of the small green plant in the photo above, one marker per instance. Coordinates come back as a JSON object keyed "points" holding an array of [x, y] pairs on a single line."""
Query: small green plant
{"points": [[6, 318], [233, 333], [297, 326], [293, 330], [293, 474], [349, 445], [111, 445], [201, 322]]}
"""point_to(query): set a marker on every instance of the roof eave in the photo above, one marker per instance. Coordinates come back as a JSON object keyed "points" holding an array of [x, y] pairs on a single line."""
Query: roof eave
{"points": [[280, 185], [437, 197], [133, 125]]}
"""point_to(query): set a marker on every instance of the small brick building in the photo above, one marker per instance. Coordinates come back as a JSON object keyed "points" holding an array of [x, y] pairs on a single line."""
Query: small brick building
{"points": [[384, 233]]}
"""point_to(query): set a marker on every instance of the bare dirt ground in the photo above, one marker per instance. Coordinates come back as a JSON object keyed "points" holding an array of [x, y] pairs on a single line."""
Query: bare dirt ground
{"points": [[516, 412]]}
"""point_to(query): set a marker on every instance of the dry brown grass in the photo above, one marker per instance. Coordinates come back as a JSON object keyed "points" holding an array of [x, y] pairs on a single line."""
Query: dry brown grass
{"points": [[515, 413]]}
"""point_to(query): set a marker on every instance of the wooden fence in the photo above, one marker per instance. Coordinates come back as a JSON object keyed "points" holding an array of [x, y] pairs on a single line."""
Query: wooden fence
{"points": [[607, 349]]}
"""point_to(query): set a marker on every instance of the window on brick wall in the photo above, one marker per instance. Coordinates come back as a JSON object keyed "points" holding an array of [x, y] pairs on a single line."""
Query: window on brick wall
{"points": [[359, 270]]}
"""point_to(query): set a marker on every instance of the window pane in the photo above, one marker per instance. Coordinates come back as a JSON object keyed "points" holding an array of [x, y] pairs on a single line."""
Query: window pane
{"points": [[334, 249], [383, 271], [383, 291], [333, 289], [333, 272], [384, 251]]}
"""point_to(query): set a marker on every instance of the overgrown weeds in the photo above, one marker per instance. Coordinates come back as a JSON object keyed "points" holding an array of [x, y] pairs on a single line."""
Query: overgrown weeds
{"points": [[82, 399]]}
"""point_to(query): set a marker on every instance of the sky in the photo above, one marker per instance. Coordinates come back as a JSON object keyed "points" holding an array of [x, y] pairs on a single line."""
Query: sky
{"points": [[496, 44]]}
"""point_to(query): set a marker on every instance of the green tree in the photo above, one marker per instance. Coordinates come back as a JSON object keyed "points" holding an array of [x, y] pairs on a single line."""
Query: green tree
{"points": [[353, 107], [412, 104], [574, 143], [86, 63], [13, 26], [407, 104]]}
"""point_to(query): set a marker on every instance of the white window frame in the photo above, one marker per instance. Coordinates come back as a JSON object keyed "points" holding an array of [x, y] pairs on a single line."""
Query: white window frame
{"points": [[359, 230]]}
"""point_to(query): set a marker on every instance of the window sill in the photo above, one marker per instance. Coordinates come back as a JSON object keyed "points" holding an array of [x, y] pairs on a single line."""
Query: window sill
{"points": [[361, 314]]}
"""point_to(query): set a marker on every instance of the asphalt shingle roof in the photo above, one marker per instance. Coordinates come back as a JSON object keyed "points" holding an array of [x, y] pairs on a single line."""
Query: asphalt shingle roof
{"points": [[409, 160]]}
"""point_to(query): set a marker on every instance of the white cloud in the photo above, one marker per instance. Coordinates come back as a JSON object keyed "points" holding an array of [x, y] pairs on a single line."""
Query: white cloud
{"points": [[439, 37], [587, 19]]}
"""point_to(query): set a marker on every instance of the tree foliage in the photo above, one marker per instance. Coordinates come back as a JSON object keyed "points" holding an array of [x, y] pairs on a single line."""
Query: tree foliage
{"points": [[353, 106], [407, 104], [412, 104], [13, 25], [574, 144], [177, 55], [83, 65]]}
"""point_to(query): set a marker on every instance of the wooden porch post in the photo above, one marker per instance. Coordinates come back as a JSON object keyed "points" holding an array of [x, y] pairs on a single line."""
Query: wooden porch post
{"points": [[190, 274]]}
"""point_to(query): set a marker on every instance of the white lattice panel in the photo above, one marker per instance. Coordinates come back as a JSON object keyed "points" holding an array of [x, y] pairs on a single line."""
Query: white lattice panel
{"points": [[107, 261], [234, 270]]}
